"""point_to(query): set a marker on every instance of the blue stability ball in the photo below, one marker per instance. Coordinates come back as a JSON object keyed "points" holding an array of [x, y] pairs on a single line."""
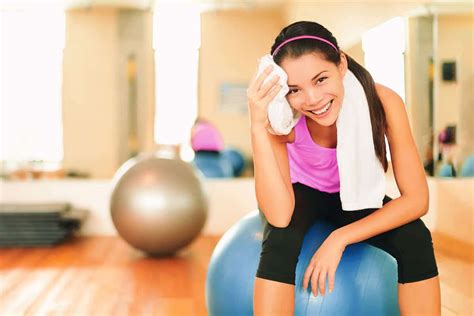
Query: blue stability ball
{"points": [[213, 164], [236, 159], [467, 169], [366, 278], [446, 171]]}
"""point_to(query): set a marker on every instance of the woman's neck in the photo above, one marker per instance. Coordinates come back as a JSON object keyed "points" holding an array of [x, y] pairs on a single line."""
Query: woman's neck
{"points": [[323, 135]]}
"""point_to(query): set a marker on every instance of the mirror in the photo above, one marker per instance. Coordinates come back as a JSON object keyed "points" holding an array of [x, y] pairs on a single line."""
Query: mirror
{"points": [[441, 77]]}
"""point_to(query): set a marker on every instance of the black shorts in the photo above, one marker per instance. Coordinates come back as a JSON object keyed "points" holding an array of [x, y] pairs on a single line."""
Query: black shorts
{"points": [[410, 244]]}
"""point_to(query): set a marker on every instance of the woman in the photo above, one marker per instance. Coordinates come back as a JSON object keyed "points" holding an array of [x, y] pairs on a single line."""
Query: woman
{"points": [[297, 179]]}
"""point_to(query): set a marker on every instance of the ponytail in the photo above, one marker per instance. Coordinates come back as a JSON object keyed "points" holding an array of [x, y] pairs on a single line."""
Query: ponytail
{"points": [[377, 113]]}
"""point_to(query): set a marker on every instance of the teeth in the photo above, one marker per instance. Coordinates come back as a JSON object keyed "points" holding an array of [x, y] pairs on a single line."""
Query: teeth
{"points": [[323, 110]]}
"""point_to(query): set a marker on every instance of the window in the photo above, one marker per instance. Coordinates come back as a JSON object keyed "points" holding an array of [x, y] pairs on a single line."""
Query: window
{"points": [[176, 40], [384, 48], [384, 51], [31, 54]]}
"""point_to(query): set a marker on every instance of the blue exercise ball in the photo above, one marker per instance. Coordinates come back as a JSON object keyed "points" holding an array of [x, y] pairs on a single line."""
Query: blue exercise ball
{"points": [[467, 169], [213, 164], [366, 278], [236, 159], [446, 171]]}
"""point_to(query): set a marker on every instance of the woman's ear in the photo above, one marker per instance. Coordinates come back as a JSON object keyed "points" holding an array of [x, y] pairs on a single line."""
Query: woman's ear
{"points": [[343, 66]]}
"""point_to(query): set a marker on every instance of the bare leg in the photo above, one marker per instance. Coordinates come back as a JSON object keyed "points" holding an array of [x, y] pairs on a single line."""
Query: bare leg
{"points": [[273, 298], [420, 298]]}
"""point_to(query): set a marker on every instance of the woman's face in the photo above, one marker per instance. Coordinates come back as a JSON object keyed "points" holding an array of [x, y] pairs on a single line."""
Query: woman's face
{"points": [[316, 88]]}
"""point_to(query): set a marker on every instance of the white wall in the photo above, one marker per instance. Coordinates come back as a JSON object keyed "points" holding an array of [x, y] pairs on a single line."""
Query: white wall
{"points": [[451, 205], [229, 200]]}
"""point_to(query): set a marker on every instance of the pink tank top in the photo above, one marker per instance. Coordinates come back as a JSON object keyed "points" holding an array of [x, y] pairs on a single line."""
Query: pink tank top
{"points": [[311, 164]]}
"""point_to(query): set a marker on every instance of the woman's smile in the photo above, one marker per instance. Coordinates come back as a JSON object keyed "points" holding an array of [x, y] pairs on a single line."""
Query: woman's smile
{"points": [[322, 112]]}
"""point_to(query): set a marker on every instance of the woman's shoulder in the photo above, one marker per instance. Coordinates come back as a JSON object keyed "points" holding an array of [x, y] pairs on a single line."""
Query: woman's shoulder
{"points": [[387, 95], [395, 112]]}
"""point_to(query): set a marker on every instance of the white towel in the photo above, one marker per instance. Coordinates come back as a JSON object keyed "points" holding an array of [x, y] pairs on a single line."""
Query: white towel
{"points": [[361, 175], [282, 117]]}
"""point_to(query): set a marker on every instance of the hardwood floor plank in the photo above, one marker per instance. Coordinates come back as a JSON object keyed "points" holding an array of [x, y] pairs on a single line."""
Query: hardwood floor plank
{"points": [[455, 271], [454, 300], [48, 302], [26, 291], [447, 312], [16, 271]]}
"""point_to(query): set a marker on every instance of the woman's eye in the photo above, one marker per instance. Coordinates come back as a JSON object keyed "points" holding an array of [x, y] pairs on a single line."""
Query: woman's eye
{"points": [[321, 79], [292, 91]]}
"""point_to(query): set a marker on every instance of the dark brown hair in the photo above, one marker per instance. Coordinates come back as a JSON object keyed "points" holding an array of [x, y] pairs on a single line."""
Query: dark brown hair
{"points": [[303, 46]]}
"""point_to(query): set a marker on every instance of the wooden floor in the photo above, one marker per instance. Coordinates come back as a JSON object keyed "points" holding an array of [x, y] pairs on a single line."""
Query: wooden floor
{"points": [[104, 276]]}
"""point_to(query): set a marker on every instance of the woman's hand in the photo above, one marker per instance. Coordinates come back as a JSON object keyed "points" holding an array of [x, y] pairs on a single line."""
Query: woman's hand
{"points": [[259, 96], [324, 264]]}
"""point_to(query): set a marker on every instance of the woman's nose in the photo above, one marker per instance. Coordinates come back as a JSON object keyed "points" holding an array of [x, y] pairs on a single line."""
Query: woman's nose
{"points": [[313, 97]]}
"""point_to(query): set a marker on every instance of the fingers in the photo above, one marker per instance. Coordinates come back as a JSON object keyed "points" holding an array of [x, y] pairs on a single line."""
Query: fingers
{"points": [[268, 97], [332, 280], [318, 277], [307, 276], [322, 282], [272, 93], [260, 95], [255, 85], [312, 272], [314, 281], [255, 74], [267, 86]]}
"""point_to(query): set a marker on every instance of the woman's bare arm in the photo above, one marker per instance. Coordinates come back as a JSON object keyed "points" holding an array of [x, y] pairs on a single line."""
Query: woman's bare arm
{"points": [[272, 177]]}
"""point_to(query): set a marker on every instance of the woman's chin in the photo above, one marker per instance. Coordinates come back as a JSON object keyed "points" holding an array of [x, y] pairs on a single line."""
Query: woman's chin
{"points": [[327, 123]]}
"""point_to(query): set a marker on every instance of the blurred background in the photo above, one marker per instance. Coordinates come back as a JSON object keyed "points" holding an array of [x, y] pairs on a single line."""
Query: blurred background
{"points": [[87, 85]]}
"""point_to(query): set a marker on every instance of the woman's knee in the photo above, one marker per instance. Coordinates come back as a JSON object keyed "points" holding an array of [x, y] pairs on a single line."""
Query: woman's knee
{"points": [[414, 252], [280, 251]]}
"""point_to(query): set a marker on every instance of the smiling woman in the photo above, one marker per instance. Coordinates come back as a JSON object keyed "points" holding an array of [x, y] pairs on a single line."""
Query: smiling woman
{"points": [[315, 183]]}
